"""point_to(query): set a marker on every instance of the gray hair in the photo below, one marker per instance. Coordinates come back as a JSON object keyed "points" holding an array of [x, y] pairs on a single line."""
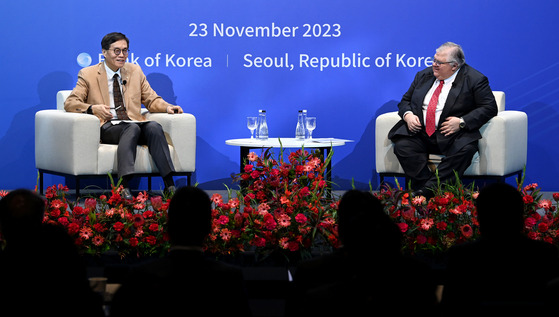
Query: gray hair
{"points": [[456, 54]]}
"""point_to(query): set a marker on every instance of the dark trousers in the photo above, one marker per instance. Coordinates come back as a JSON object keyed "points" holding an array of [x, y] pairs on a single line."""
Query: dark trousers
{"points": [[128, 135], [413, 154]]}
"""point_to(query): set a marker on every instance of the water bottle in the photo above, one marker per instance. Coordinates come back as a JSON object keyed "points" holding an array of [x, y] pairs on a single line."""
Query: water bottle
{"points": [[300, 129], [304, 120], [262, 126], [257, 131]]}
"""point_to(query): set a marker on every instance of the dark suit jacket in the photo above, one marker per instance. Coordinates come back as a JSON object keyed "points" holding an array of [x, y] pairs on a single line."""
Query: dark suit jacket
{"points": [[470, 98], [342, 284], [486, 272], [183, 283]]}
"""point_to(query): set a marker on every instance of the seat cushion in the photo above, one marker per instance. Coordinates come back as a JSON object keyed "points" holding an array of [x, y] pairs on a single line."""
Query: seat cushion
{"points": [[144, 163]]}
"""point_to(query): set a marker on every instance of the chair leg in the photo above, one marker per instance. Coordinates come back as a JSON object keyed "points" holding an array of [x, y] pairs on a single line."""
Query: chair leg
{"points": [[188, 181], [40, 182], [149, 183], [77, 187]]}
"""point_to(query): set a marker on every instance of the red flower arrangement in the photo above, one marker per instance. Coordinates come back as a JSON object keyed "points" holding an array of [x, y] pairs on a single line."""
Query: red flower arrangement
{"points": [[129, 227], [541, 219], [451, 217], [434, 225], [282, 207]]}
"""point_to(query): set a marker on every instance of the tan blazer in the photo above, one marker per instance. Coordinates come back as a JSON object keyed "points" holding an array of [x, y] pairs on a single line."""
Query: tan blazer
{"points": [[92, 89]]}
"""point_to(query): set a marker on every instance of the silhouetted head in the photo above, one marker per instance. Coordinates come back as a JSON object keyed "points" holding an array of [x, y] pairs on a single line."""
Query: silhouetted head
{"points": [[363, 225], [21, 213], [190, 217], [500, 209]]}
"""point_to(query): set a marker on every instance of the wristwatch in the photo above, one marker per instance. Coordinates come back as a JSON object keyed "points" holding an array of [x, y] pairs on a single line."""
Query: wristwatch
{"points": [[462, 123]]}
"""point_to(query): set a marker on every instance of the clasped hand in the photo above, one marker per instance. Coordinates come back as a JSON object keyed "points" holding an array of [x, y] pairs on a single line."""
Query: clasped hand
{"points": [[104, 111], [449, 126]]}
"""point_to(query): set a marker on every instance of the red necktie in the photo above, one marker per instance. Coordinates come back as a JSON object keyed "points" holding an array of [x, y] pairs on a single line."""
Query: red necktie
{"points": [[431, 109], [119, 103]]}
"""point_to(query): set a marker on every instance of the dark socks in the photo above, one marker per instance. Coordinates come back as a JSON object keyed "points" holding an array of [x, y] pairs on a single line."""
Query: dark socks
{"points": [[126, 181], [168, 181]]}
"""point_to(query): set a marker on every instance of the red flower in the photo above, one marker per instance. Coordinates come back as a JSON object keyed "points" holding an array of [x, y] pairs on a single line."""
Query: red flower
{"points": [[63, 221], [403, 226], [98, 240], [304, 192], [223, 220], [542, 227], [151, 240], [269, 222], [441, 225], [73, 228], [529, 222], [528, 199], [258, 241], [154, 227], [77, 211], [138, 220], [467, 231], [301, 218], [118, 226], [133, 242], [99, 227]]}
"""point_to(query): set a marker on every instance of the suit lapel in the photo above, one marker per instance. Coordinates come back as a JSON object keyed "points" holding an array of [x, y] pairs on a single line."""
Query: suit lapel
{"points": [[103, 84], [453, 93], [125, 79], [421, 91]]}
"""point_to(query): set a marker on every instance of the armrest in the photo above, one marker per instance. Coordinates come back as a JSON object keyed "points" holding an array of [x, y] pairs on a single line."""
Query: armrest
{"points": [[385, 159], [180, 131], [66, 142], [504, 145]]}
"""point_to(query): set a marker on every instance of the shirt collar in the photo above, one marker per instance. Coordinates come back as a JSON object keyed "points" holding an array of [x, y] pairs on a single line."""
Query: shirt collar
{"points": [[450, 79], [110, 72]]}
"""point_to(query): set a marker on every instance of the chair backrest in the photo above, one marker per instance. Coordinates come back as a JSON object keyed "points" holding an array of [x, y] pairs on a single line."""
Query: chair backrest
{"points": [[61, 97], [500, 99]]}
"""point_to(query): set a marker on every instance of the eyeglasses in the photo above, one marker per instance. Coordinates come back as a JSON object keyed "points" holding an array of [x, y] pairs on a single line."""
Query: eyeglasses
{"points": [[117, 51], [435, 61]]}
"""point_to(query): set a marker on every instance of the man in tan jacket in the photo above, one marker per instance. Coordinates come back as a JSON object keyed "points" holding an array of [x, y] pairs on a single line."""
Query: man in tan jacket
{"points": [[114, 91]]}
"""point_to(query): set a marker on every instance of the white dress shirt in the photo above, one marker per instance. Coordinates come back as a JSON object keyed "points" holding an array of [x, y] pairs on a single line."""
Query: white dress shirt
{"points": [[110, 79], [442, 97]]}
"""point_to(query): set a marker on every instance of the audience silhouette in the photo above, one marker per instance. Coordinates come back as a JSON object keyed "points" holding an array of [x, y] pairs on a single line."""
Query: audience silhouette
{"points": [[368, 274], [503, 271], [41, 271], [185, 281]]}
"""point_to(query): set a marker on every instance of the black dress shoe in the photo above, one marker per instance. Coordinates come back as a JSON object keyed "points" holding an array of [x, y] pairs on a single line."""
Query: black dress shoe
{"points": [[125, 194]]}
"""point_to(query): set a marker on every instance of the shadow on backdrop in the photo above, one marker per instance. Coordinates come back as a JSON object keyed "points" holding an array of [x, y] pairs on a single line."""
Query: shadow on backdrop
{"points": [[17, 165], [362, 157], [542, 123]]}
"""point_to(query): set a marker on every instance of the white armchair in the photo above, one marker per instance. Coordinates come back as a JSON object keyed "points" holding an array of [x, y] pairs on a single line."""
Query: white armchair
{"points": [[502, 149], [69, 144]]}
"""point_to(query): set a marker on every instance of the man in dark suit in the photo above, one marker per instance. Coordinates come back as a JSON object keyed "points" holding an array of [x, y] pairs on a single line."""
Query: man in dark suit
{"points": [[368, 274], [442, 112], [103, 90], [184, 282], [504, 272], [40, 264]]}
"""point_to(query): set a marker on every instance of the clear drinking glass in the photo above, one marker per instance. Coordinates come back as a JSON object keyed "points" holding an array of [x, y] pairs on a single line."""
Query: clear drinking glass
{"points": [[252, 123], [311, 125]]}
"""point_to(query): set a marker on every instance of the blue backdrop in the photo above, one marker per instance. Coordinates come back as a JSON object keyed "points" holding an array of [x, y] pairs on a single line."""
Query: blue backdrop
{"points": [[344, 61]]}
